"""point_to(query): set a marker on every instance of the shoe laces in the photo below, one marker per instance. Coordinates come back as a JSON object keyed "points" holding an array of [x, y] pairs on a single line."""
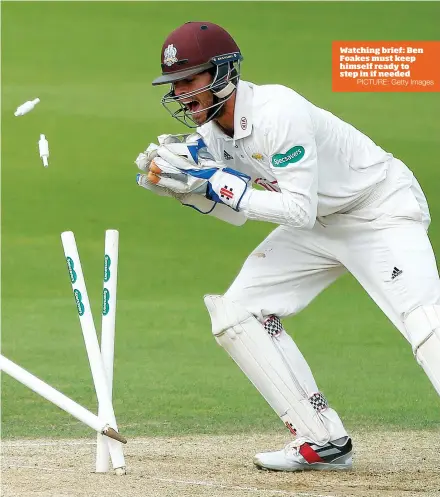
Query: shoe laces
{"points": [[294, 446]]}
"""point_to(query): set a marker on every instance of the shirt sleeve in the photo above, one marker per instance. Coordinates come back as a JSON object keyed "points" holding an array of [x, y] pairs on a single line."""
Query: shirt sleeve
{"points": [[290, 144]]}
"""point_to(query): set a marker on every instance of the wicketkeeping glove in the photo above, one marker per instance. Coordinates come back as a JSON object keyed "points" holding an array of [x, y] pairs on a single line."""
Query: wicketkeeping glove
{"points": [[181, 164], [165, 164], [164, 174], [224, 185], [142, 180], [228, 186]]}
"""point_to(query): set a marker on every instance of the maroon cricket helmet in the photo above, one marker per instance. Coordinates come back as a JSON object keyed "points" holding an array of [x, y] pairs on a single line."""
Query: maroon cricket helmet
{"points": [[193, 48]]}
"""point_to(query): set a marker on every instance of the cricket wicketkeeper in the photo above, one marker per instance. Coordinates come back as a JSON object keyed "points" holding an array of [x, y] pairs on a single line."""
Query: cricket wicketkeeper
{"points": [[341, 203]]}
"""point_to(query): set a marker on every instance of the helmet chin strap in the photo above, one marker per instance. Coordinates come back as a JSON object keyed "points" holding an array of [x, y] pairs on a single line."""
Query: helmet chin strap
{"points": [[218, 95], [226, 91], [216, 110]]}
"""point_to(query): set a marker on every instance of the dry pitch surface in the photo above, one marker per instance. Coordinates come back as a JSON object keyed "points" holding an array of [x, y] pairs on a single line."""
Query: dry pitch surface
{"points": [[386, 464]]}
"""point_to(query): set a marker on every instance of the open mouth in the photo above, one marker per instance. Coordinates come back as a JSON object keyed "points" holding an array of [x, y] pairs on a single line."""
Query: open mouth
{"points": [[192, 105]]}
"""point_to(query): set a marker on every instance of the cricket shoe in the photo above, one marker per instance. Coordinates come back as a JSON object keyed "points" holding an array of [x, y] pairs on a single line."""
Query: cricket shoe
{"points": [[300, 456]]}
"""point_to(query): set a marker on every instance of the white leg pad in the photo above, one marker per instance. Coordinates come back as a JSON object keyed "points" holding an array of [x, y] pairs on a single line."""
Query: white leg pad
{"points": [[423, 330], [247, 342], [303, 377]]}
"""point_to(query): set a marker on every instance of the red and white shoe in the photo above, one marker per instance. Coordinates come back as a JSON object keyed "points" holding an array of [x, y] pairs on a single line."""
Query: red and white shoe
{"points": [[300, 456]]}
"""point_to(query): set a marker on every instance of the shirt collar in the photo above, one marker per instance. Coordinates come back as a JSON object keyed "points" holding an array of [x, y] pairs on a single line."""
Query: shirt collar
{"points": [[243, 110], [242, 114]]}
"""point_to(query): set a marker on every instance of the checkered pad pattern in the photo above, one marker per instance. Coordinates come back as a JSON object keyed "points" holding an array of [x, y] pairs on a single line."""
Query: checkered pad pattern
{"points": [[318, 401], [273, 325]]}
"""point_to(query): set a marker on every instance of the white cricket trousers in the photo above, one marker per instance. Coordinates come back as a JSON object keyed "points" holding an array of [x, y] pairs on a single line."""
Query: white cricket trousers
{"points": [[382, 243]]}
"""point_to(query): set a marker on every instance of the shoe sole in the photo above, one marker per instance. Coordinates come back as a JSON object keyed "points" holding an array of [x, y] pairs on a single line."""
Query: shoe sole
{"points": [[309, 467]]}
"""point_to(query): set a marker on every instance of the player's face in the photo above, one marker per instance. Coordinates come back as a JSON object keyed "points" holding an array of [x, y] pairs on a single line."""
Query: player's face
{"points": [[196, 102]]}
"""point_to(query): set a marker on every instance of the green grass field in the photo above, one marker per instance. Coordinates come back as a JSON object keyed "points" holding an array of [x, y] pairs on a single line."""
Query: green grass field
{"points": [[91, 64]]}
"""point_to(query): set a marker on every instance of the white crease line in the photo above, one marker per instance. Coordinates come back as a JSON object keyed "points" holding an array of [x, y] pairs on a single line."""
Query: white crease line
{"points": [[13, 466], [61, 443], [8, 445], [237, 487], [44, 444], [191, 482]]}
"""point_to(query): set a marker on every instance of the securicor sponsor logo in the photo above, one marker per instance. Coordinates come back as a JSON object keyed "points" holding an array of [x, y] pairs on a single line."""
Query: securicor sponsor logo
{"points": [[79, 302], [105, 302], [293, 155], [72, 272]]}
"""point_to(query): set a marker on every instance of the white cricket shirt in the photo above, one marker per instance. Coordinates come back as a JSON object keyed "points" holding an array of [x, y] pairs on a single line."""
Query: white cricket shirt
{"points": [[309, 162]]}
